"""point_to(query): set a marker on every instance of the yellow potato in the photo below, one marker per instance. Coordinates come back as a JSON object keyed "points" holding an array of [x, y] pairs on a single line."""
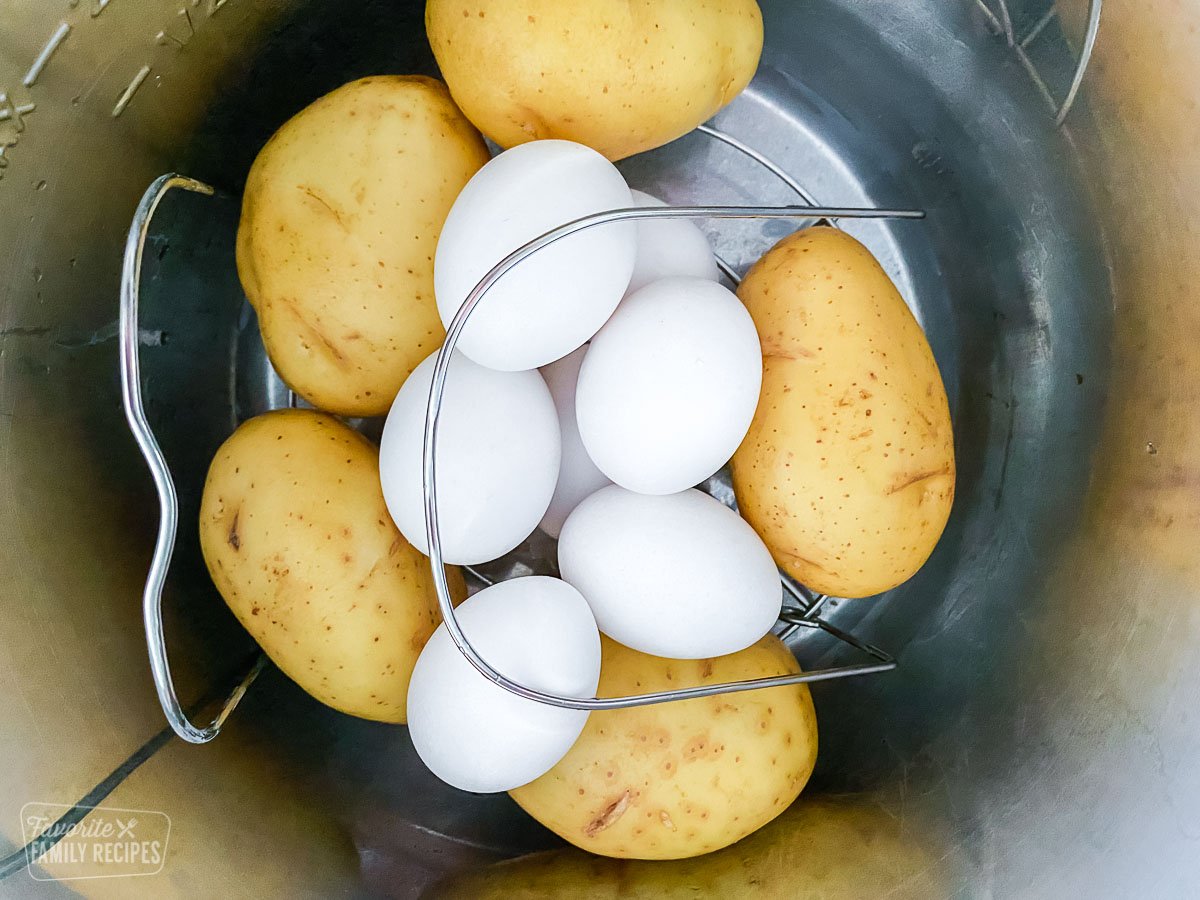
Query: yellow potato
{"points": [[299, 543], [680, 779], [341, 214], [822, 848], [847, 472], [619, 76]]}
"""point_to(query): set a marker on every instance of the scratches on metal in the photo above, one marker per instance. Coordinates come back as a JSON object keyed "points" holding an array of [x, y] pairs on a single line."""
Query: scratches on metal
{"points": [[127, 95], [47, 52], [15, 112]]}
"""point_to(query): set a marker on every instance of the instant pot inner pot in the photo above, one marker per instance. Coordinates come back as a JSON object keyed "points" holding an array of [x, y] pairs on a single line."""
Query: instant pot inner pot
{"points": [[898, 105]]}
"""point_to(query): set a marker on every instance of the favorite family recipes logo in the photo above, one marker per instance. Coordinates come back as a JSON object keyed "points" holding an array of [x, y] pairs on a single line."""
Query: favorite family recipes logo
{"points": [[67, 842]]}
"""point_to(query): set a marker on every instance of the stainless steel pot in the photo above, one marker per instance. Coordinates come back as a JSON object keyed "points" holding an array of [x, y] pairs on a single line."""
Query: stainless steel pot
{"points": [[1040, 736]]}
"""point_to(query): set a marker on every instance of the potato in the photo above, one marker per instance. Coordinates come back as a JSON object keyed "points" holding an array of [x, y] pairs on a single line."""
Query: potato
{"points": [[680, 779], [341, 214], [822, 848], [299, 543], [847, 472], [619, 76]]}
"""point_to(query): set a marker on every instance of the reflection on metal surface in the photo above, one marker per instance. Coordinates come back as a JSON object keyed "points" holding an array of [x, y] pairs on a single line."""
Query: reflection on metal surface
{"points": [[833, 848], [764, 161], [771, 166]]}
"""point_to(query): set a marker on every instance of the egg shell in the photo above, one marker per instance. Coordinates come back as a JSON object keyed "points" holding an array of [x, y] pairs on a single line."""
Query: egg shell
{"points": [[552, 302], [577, 476], [680, 575], [669, 247], [669, 386], [497, 459], [474, 734]]}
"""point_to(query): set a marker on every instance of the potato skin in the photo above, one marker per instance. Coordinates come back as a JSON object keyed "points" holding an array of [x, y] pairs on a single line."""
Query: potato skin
{"points": [[340, 217], [847, 471], [680, 779], [299, 543], [619, 76]]}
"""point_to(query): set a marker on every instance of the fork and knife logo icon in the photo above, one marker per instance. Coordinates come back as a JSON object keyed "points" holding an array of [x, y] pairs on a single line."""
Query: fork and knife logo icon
{"points": [[125, 829]]}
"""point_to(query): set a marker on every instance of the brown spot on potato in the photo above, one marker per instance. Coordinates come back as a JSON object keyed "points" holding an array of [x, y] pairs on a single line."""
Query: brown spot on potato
{"points": [[234, 538], [696, 746], [910, 480], [609, 816], [325, 204], [775, 351]]}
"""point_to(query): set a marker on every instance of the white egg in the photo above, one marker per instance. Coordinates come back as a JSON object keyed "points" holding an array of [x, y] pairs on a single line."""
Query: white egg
{"points": [[474, 734], [667, 247], [577, 476], [552, 302], [497, 458], [669, 386], [679, 575]]}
